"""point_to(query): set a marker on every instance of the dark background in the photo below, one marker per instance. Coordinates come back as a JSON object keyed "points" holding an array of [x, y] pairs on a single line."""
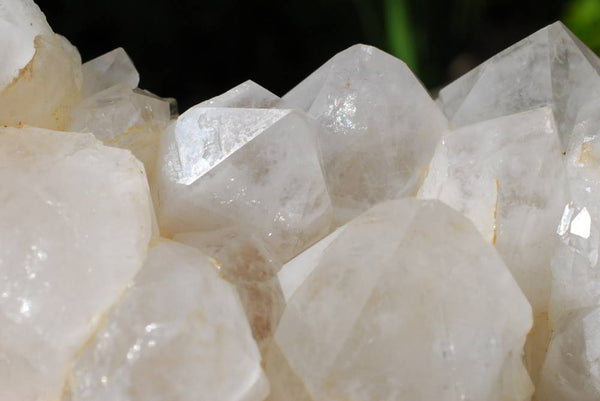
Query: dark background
{"points": [[193, 50]]}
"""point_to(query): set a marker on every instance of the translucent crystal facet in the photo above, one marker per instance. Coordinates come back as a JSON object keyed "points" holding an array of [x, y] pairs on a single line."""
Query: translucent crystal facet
{"points": [[227, 167], [179, 331], [110, 69], [381, 127], [75, 222], [549, 68], [407, 281]]}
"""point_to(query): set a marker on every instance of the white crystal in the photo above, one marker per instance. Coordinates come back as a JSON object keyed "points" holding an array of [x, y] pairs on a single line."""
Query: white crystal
{"points": [[20, 22], [407, 303], [123, 118], [572, 367], [245, 262], [178, 334], [75, 222], [246, 95], [258, 168], [381, 127], [110, 69], [549, 68]]}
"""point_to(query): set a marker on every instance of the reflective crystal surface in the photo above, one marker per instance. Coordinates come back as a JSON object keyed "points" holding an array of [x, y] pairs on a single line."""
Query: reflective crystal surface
{"points": [[179, 333], [258, 168], [75, 222], [381, 127], [408, 280]]}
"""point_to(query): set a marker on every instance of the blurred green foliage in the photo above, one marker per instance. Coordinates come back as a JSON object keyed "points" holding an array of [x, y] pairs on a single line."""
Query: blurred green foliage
{"points": [[408, 27], [583, 18]]}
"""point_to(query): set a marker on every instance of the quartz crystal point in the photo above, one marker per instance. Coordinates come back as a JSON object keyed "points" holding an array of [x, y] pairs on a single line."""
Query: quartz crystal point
{"points": [[110, 69], [258, 168], [244, 261], [120, 117], [407, 303], [40, 72], [549, 68], [572, 367], [247, 95], [178, 334], [75, 223], [507, 176], [381, 127]]}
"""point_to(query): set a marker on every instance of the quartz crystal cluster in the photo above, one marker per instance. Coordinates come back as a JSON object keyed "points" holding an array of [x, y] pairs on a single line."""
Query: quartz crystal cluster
{"points": [[353, 240]]}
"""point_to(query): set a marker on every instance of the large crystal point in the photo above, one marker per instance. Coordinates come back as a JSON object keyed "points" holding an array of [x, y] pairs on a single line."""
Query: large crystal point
{"points": [[110, 69], [507, 176], [549, 68], [407, 303], [40, 72], [246, 95], [244, 261], [75, 222], [258, 168], [572, 367], [178, 334], [381, 127]]}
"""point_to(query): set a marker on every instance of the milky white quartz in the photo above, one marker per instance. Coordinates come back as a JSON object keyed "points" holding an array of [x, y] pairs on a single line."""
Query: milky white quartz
{"points": [[572, 367], [178, 334], [75, 222], [407, 303], [381, 127], [507, 176], [246, 95], [110, 69], [549, 68], [255, 168], [244, 261]]}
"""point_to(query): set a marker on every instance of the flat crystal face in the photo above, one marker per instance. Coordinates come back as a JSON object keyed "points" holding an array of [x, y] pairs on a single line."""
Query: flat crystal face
{"points": [[408, 281], [246, 95]]}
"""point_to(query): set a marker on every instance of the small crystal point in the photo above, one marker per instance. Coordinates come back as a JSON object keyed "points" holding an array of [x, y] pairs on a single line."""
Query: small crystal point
{"points": [[109, 69]]}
